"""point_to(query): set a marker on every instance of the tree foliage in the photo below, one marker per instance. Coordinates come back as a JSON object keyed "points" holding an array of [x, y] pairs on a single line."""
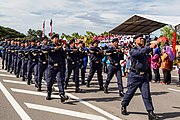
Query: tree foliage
{"points": [[6, 32]]}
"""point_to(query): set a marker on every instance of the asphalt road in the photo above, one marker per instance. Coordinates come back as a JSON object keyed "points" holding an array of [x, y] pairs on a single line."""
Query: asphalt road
{"points": [[19, 101]]}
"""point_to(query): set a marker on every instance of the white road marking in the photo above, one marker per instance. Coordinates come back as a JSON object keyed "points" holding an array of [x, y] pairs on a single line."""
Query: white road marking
{"points": [[173, 90], [33, 92], [3, 71], [13, 81], [20, 82], [4, 75], [14, 103], [94, 107], [71, 96], [64, 112], [171, 75]]}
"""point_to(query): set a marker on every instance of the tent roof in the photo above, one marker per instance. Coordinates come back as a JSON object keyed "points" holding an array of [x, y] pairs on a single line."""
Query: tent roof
{"points": [[145, 24]]}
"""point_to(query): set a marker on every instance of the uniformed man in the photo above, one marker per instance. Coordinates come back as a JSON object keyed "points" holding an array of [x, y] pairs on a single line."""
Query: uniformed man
{"points": [[33, 62], [56, 59], [43, 62], [96, 55], [138, 77], [72, 64], [6, 53], [20, 58], [82, 55], [25, 60], [16, 48], [114, 56], [10, 51], [5, 44]]}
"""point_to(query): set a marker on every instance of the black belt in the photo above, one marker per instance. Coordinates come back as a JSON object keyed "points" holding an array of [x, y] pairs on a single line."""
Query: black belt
{"points": [[137, 72], [54, 64], [115, 64]]}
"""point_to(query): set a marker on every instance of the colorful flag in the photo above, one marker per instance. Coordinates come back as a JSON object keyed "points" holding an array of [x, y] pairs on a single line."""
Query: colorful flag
{"points": [[43, 29], [51, 27], [174, 42]]}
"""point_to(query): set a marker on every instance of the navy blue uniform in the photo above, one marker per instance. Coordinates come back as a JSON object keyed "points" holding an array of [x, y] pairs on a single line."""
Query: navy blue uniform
{"points": [[56, 59], [114, 56], [82, 55], [72, 64], [95, 64], [5, 45], [42, 64], [138, 77], [19, 61], [32, 64], [16, 48], [9, 60], [25, 62]]}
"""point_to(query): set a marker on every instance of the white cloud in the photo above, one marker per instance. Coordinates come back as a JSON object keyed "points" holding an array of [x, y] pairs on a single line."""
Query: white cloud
{"points": [[78, 15]]}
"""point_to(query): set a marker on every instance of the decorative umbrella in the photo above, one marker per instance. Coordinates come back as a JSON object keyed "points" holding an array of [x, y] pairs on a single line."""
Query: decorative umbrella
{"points": [[162, 39]]}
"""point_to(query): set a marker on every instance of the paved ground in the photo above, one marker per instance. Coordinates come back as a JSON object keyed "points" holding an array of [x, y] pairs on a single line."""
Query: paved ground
{"points": [[17, 100]]}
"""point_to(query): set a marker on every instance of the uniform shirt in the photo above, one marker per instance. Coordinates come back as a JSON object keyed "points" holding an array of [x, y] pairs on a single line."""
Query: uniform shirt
{"points": [[55, 55], [33, 53], [139, 58], [94, 54], [20, 53], [71, 55], [43, 54], [114, 55], [82, 53]]}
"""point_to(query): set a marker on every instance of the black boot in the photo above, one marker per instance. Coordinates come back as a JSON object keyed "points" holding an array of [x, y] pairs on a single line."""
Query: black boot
{"points": [[106, 90], [121, 94], [152, 116], [39, 89], [28, 82], [124, 111], [88, 84], [78, 90], [48, 96], [83, 82], [64, 98], [101, 88], [17, 76], [65, 86]]}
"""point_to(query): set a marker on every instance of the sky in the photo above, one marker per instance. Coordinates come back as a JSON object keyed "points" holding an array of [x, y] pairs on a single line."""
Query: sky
{"points": [[79, 15]]}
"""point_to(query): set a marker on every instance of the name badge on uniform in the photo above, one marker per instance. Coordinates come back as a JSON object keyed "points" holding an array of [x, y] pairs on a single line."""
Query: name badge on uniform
{"points": [[33, 60], [40, 53], [73, 63], [44, 62], [97, 62], [116, 64], [56, 64]]}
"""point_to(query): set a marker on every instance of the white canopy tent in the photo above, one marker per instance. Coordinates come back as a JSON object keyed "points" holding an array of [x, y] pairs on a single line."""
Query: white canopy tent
{"points": [[146, 24]]}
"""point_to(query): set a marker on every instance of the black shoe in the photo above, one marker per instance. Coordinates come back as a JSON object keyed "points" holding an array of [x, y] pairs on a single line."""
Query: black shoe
{"points": [[106, 90], [11, 72], [17, 76], [152, 116], [64, 98], [65, 87], [124, 111], [39, 89], [2, 67], [36, 86], [78, 90], [83, 83], [28, 83], [88, 84], [23, 79], [48, 96], [121, 94], [101, 88], [178, 85]]}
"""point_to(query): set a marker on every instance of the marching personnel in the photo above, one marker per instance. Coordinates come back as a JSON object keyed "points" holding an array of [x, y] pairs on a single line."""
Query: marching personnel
{"points": [[9, 60], [20, 59], [13, 58], [16, 48], [96, 55], [56, 59], [43, 62], [82, 55], [72, 64], [25, 51], [138, 77], [114, 56], [6, 54], [32, 62], [5, 45]]}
